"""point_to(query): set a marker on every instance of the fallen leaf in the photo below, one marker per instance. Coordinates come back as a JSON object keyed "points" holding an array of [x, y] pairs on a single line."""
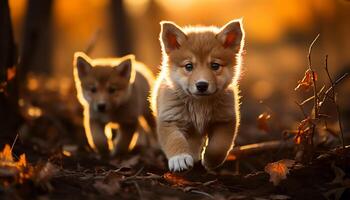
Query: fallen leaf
{"points": [[278, 170], [176, 180], [17, 171], [307, 82], [11, 73]]}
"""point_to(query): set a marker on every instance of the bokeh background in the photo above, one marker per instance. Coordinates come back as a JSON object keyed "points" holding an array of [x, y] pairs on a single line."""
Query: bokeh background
{"points": [[278, 34]]}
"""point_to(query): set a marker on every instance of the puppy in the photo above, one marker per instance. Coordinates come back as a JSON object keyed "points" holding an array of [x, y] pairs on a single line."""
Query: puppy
{"points": [[112, 90], [196, 95]]}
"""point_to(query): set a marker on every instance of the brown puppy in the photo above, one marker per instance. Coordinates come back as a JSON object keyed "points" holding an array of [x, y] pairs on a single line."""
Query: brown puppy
{"points": [[195, 97], [112, 90]]}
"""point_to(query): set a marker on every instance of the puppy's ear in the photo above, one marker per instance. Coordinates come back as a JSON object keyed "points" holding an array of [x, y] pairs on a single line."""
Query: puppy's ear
{"points": [[231, 35], [82, 63], [124, 68], [171, 36]]}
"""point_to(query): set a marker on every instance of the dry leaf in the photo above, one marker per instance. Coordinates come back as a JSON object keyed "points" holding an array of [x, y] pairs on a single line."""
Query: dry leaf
{"points": [[18, 171], [306, 83], [176, 180], [11, 73], [262, 121], [278, 170]]}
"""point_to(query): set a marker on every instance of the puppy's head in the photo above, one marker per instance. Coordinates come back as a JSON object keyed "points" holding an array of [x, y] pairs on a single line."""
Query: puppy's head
{"points": [[102, 85], [202, 61]]}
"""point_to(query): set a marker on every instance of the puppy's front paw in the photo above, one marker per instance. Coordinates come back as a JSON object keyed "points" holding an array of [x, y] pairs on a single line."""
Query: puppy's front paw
{"points": [[180, 162]]}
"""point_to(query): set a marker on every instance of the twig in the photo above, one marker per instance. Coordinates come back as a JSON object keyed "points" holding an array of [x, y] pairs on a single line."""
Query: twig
{"points": [[301, 109], [326, 93], [203, 193], [312, 97], [335, 101], [135, 175], [14, 142], [313, 127], [92, 41], [138, 189], [259, 147]]}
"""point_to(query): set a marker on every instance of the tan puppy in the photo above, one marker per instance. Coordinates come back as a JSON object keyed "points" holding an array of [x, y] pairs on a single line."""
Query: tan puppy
{"points": [[112, 90], [195, 97]]}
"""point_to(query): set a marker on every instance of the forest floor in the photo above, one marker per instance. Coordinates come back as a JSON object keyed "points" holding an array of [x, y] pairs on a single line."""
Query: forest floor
{"points": [[142, 174]]}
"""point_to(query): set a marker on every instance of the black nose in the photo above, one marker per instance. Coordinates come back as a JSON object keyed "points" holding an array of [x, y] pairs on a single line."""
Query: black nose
{"points": [[101, 107], [202, 86]]}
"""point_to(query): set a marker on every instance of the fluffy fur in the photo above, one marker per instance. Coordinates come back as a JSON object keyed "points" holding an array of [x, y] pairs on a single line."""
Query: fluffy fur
{"points": [[112, 90], [196, 123]]}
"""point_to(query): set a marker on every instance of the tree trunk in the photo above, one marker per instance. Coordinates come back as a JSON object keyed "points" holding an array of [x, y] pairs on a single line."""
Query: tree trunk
{"points": [[121, 29], [37, 44], [9, 114]]}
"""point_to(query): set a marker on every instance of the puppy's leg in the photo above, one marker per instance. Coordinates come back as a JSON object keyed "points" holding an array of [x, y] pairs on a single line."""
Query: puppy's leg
{"points": [[196, 142], [124, 137], [99, 137], [221, 136], [175, 146]]}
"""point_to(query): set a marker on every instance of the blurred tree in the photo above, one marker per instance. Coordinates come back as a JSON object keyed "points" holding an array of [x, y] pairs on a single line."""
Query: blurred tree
{"points": [[9, 115], [36, 52], [120, 27]]}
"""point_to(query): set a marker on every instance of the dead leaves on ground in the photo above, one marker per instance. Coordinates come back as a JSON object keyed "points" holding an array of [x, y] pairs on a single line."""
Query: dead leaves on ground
{"points": [[12, 171], [279, 170]]}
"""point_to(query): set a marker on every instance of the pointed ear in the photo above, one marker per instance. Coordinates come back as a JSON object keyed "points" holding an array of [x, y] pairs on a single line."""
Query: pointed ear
{"points": [[231, 35], [124, 68], [82, 63], [171, 36]]}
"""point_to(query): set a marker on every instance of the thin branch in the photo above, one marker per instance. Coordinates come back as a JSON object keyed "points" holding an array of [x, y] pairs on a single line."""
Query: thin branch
{"points": [[259, 147], [14, 142], [203, 193], [138, 189], [326, 94], [301, 109], [335, 101], [314, 89], [92, 41], [312, 97]]}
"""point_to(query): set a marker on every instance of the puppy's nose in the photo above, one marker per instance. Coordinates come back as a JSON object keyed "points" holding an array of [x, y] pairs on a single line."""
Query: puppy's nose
{"points": [[101, 107], [202, 86]]}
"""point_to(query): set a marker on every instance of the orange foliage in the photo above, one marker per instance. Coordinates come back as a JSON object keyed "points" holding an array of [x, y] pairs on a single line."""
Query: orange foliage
{"points": [[278, 170], [19, 170], [11, 73], [176, 180], [306, 83]]}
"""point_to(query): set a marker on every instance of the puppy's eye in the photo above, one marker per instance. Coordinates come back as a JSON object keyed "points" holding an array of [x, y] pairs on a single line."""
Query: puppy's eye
{"points": [[215, 66], [189, 67], [111, 90], [93, 89]]}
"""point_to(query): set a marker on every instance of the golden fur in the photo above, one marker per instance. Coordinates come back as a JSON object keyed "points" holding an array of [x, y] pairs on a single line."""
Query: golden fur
{"points": [[194, 125], [112, 90]]}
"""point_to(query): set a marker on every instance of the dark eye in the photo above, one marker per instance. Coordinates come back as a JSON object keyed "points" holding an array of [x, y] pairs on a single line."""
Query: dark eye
{"points": [[111, 90], [93, 89], [215, 66], [189, 67]]}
